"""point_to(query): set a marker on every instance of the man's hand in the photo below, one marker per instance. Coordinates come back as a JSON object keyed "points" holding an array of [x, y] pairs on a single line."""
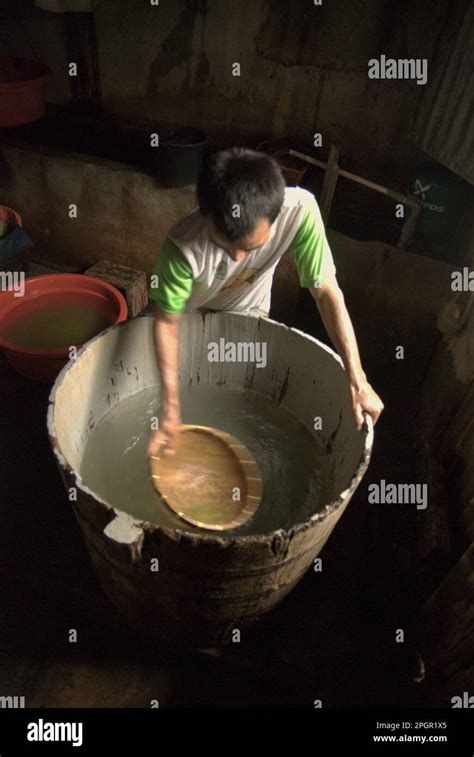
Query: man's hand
{"points": [[365, 399], [332, 308], [164, 439]]}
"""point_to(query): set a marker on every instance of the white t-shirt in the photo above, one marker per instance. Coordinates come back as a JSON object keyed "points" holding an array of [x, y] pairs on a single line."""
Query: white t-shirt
{"points": [[194, 272]]}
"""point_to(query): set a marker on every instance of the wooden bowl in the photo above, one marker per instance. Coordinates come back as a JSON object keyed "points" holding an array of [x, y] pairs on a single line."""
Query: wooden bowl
{"points": [[212, 481]]}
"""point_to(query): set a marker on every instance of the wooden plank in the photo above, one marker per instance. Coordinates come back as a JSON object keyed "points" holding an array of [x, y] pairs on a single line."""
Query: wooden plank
{"points": [[460, 445], [330, 180], [467, 518], [461, 427], [434, 543], [446, 626], [81, 47]]}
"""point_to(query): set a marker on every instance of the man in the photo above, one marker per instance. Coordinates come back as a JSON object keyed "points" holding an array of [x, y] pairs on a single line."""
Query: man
{"points": [[222, 256]]}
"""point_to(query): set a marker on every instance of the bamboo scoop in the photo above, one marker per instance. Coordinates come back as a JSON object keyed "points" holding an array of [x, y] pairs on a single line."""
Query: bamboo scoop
{"points": [[212, 481]]}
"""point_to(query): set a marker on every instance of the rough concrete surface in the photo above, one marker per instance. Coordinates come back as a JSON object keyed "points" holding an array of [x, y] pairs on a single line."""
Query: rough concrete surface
{"points": [[174, 62]]}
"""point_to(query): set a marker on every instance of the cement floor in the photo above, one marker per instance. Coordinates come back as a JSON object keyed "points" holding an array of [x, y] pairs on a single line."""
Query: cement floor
{"points": [[332, 639]]}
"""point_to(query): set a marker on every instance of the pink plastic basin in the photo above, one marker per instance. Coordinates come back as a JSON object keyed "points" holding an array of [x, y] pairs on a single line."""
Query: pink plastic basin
{"points": [[22, 90], [51, 291]]}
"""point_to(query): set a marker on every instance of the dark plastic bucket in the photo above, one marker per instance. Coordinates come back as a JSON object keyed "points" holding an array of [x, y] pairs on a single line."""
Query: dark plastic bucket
{"points": [[179, 157]]}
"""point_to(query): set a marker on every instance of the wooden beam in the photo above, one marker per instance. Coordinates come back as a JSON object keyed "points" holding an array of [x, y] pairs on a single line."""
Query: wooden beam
{"points": [[330, 180], [81, 48], [412, 202]]}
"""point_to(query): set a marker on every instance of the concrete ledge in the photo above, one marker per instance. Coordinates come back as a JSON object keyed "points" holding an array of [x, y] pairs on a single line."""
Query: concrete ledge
{"points": [[123, 214]]}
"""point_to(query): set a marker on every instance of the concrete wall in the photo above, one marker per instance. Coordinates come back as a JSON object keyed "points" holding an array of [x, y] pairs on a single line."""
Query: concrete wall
{"points": [[123, 215], [394, 298], [446, 437], [303, 67]]}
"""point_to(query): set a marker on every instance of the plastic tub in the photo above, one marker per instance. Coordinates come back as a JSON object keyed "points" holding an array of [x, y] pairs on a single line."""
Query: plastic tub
{"points": [[22, 90], [42, 293]]}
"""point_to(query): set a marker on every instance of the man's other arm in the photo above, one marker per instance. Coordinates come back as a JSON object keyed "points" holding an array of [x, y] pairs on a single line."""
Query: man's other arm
{"points": [[330, 302], [317, 273]]}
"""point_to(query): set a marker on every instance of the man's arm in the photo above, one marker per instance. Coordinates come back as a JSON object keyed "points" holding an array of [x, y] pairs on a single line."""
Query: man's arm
{"points": [[332, 308], [175, 281], [317, 273], [166, 337]]}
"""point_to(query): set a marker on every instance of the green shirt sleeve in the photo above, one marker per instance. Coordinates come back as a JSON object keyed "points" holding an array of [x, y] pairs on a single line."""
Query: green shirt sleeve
{"points": [[174, 284], [311, 251]]}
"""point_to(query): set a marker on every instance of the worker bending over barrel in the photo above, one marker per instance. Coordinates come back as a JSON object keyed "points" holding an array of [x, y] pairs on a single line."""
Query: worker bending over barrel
{"points": [[222, 256]]}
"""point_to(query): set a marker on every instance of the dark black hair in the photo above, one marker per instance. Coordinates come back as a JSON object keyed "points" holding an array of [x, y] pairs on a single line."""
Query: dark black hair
{"points": [[239, 177]]}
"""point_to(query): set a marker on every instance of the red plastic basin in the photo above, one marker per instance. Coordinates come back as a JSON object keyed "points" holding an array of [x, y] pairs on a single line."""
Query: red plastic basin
{"points": [[49, 292], [9, 218], [22, 90]]}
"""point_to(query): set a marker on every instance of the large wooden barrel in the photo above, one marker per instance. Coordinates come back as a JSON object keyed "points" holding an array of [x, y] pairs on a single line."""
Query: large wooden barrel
{"points": [[207, 584]]}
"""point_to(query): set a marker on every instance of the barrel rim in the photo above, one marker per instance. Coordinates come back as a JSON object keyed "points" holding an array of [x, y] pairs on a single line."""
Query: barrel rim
{"points": [[175, 534]]}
